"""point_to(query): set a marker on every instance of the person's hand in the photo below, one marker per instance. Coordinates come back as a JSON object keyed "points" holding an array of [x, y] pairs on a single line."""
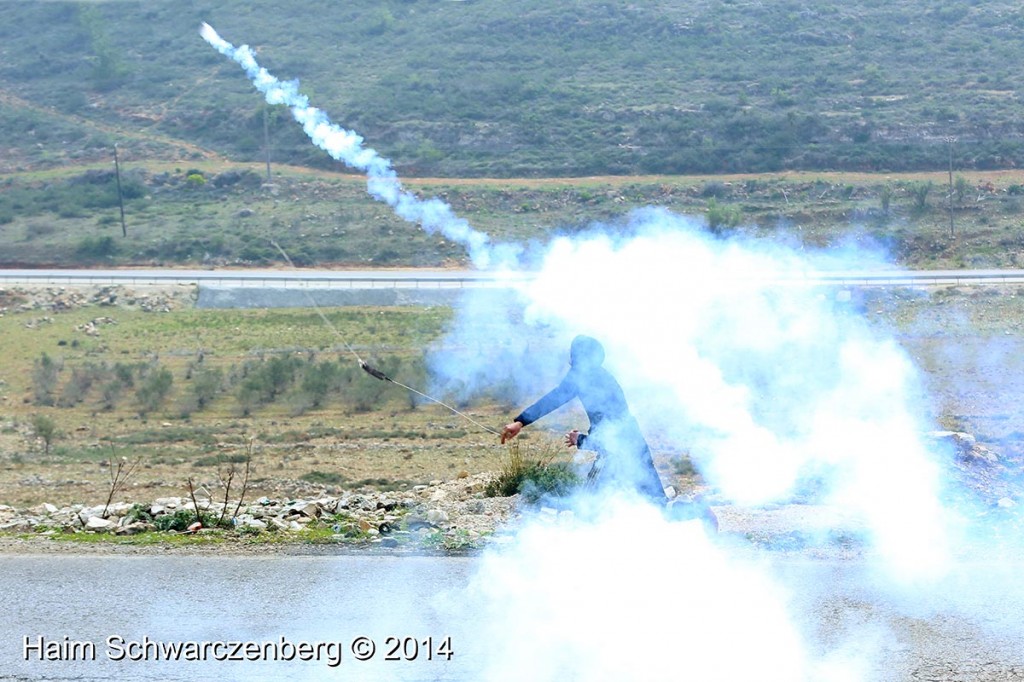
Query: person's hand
{"points": [[511, 431], [571, 438]]}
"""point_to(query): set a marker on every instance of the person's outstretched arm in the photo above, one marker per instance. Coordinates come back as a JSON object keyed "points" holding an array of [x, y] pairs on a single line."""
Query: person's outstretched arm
{"points": [[558, 396]]}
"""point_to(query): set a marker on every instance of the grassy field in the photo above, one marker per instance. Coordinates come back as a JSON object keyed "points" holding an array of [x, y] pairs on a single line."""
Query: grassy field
{"points": [[217, 214], [321, 424], [363, 432]]}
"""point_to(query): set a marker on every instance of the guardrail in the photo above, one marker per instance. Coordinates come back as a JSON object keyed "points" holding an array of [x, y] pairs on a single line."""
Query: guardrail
{"points": [[284, 281], [300, 280]]}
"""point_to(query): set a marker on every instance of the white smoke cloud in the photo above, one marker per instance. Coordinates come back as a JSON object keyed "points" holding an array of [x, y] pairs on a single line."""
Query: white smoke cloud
{"points": [[347, 147], [773, 387], [631, 597], [769, 385]]}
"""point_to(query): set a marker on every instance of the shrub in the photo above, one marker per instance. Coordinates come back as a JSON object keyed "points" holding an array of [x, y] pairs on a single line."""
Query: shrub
{"points": [[265, 381], [154, 389], [535, 479], [216, 460], [920, 192], [721, 217], [44, 379], [181, 519], [206, 383], [323, 477], [96, 248], [78, 386], [548, 480]]}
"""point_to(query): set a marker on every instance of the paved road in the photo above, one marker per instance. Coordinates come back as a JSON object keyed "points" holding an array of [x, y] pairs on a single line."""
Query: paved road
{"points": [[264, 278], [455, 278], [338, 598]]}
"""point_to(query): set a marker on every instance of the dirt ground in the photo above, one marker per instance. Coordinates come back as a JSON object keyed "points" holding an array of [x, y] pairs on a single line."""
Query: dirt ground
{"points": [[967, 342]]}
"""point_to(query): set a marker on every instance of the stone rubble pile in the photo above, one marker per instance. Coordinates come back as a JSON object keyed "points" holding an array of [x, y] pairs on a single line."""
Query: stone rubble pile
{"points": [[450, 513], [148, 298]]}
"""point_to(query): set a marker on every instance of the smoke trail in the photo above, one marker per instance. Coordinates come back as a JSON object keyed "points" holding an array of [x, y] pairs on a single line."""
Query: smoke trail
{"points": [[347, 147]]}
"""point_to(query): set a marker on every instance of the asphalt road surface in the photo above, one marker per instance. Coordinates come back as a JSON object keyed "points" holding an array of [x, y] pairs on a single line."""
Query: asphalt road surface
{"points": [[117, 603], [455, 278]]}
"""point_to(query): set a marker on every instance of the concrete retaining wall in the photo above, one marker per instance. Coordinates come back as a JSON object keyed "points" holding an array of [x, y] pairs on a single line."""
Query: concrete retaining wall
{"points": [[272, 297]]}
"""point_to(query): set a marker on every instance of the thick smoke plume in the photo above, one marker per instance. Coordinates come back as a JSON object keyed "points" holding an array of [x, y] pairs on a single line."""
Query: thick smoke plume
{"points": [[347, 147], [777, 390]]}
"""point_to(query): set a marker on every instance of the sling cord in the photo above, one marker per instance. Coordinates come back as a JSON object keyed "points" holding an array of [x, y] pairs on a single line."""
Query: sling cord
{"points": [[373, 371]]}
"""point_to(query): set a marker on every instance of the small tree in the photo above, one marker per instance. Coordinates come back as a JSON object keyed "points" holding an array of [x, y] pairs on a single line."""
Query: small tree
{"points": [[920, 192], [154, 389], [45, 428], [961, 187], [885, 195], [206, 384], [44, 380]]}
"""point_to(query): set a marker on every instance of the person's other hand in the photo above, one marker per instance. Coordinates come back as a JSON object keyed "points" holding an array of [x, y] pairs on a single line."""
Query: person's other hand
{"points": [[510, 431], [572, 438]]}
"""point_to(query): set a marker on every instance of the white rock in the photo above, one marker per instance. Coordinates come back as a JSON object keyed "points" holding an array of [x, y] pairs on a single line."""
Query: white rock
{"points": [[310, 510], [16, 524], [98, 523], [437, 516], [168, 502], [670, 492]]}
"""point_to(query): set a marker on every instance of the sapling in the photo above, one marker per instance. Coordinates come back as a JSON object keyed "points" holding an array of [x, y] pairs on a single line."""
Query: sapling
{"points": [[119, 475]]}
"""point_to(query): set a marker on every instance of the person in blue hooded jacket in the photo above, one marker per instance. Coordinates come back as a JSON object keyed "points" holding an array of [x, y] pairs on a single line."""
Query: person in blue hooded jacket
{"points": [[623, 457]]}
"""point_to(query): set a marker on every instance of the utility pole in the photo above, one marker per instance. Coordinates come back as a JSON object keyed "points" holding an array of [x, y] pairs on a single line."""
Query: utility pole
{"points": [[950, 141], [120, 195]]}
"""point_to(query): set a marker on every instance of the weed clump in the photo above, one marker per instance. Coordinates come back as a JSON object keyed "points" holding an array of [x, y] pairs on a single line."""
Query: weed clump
{"points": [[181, 519], [534, 478]]}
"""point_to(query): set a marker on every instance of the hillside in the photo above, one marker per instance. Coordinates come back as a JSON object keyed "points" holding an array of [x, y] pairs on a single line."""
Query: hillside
{"points": [[526, 88]]}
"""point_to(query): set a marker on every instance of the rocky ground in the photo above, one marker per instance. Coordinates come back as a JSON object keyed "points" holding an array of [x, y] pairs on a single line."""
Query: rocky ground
{"points": [[450, 515], [459, 515], [24, 298]]}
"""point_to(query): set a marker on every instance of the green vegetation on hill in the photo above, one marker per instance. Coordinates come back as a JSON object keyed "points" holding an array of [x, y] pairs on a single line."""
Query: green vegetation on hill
{"points": [[635, 94], [526, 88], [217, 214]]}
